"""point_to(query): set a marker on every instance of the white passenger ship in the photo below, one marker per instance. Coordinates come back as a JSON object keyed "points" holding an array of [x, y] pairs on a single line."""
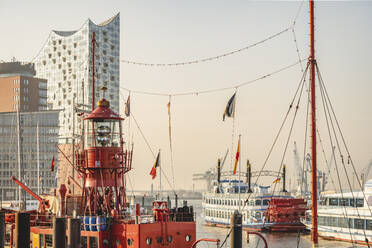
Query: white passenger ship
{"points": [[345, 217], [220, 204]]}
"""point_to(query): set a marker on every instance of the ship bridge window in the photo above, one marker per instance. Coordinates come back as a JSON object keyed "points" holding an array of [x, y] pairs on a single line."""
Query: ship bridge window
{"points": [[369, 225], [106, 133], [332, 221], [345, 223], [344, 202], [333, 202], [258, 202], [358, 223], [359, 202], [266, 202]]}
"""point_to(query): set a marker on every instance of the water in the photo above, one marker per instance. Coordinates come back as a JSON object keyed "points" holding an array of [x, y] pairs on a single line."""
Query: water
{"points": [[275, 240]]}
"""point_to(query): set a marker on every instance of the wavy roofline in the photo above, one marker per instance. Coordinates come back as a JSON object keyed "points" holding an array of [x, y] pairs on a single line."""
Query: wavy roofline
{"points": [[102, 24]]}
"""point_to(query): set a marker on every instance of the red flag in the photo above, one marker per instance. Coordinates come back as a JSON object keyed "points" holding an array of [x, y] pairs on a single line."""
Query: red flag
{"points": [[156, 164], [236, 157], [277, 180], [52, 165]]}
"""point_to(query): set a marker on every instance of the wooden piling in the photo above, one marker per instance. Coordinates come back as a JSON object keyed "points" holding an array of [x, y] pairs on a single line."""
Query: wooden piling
{"points": [[236, 232], [74, 233], [59, 232], [22, 230], [2, 229]]}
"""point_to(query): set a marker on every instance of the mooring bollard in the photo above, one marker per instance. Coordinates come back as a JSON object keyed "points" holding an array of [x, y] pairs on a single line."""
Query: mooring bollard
{"points": [[74, 230], [236, 232], [22, 230], [2, 229], [59, 232]]}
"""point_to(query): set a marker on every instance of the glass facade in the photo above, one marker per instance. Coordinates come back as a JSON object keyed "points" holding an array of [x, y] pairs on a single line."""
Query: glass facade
{"points": [[66, 62], [48, 138]]}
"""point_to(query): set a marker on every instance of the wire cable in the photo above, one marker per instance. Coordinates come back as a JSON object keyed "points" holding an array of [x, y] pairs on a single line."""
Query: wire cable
{"points": [[208, 59], [212, 90]]}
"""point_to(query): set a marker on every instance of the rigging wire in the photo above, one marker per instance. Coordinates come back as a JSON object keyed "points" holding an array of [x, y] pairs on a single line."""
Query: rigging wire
{"points": [[213, 90], [152, 152], [170, 137], [273, 144], [305, 139], [341, 134], [337, 171], [322, 89], [208, 59]]}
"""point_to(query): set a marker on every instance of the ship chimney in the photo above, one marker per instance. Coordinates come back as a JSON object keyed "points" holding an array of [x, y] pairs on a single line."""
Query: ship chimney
{"points": [[218, 175], [249, 176], [283, 176]]}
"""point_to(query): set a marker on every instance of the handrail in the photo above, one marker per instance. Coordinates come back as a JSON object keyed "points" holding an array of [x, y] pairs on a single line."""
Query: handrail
{"points": [[258, 234], [217, 241]]}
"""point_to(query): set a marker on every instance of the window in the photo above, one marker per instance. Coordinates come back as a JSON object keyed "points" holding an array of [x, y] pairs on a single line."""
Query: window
{"points": [[358, 224], [359, 202], [333, 202], [332, 221], [258, 202], [369, 225], [344, 202]]}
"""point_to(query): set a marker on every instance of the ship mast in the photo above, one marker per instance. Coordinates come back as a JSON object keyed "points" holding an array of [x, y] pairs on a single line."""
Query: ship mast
{"points": [[312, 61]]}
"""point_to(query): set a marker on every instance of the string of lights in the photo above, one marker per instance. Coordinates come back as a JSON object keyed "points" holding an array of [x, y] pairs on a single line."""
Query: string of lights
{"points": [[208, 58], [213, 90]]}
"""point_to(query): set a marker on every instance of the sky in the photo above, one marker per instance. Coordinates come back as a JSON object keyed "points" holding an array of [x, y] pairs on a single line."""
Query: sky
{"points": [[166, 31]]}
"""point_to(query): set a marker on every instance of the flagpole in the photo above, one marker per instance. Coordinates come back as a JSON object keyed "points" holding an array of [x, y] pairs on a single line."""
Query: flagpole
{"points": [[160, 189], [38, 158], [240, 155]]}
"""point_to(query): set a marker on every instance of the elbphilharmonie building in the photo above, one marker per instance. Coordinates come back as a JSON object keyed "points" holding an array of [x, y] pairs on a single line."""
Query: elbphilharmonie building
{"points": [[65, 61]]}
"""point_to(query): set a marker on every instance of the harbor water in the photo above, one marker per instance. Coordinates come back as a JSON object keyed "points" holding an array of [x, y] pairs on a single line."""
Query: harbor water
{"points": [[275, 240]]}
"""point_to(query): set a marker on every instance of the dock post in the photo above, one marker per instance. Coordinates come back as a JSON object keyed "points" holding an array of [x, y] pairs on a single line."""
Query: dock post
{"points": [[22, 230], [236, 232], [59, 232], [2, 229], [74, 233]]}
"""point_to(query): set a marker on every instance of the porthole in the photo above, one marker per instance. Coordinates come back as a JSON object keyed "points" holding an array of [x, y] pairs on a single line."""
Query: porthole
{"points": [[169, 238], [159, 240], [130, 242], [149, 241], [188, 238]]}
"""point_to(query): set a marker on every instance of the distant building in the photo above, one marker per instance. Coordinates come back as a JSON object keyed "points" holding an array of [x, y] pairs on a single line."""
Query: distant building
{"points": [[18, 83], [47, 121], [66, 62]]}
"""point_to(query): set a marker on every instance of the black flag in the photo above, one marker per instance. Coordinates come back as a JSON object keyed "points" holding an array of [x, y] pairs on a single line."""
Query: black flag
{"points": [[230, 108]]}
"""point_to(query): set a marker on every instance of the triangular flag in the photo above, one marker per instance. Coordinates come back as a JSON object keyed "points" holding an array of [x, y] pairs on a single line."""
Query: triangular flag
{"points": [[52, 165], [230, 108], [156, 164], [237, 157], [277, 180]]}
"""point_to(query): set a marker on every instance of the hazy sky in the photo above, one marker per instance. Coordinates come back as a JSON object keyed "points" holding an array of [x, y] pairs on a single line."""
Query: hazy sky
{"points": [[176, 31]]}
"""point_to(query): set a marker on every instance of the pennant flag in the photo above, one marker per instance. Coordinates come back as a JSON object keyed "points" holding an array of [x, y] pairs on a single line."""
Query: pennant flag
{"points": [[156, 164], [277, 180], [237, 157], [230, 108], [52, 165], [127, 107]]}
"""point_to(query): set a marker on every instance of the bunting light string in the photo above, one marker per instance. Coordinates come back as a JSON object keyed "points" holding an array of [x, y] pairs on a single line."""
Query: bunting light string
{"points": [[208, 58], [214, 90]]}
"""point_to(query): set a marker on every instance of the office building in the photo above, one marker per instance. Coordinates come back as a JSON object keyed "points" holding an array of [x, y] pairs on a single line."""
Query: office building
{"points": [[19, 85], [38, 139]]}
